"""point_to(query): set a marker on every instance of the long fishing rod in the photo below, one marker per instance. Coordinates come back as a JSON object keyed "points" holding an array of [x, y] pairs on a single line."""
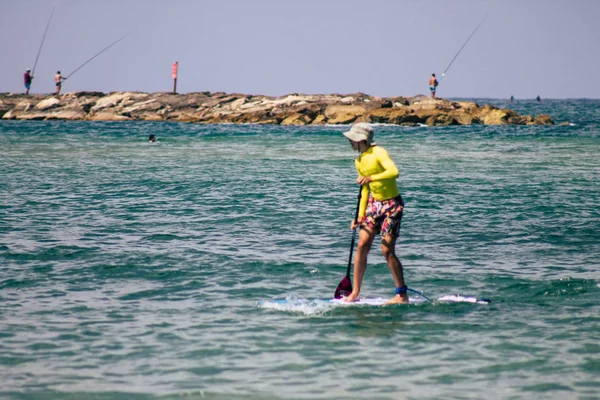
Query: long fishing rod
{"points": [[43, 38], [97, 54], [463, 46]]}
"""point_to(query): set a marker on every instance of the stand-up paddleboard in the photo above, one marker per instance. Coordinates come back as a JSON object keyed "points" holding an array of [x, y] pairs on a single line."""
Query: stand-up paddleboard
{"points": [[296, 304]]}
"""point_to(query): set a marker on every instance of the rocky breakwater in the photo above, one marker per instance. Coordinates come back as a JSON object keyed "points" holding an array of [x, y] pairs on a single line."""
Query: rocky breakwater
{"points": [[293, 109]]}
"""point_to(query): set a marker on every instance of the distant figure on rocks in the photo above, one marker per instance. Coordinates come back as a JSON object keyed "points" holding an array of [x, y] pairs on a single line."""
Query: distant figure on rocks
{"points": [[27, 77], [433, 82], [152, 139], [512, 99], [58, 78], [538, 98]]}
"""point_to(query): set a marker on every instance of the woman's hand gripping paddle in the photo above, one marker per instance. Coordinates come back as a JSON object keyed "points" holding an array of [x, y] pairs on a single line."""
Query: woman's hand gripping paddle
{"points": [[345, 286]]}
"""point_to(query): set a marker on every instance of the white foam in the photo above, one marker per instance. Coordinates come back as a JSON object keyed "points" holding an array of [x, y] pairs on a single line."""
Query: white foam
{"points": [[303, 306], [457, 298]]}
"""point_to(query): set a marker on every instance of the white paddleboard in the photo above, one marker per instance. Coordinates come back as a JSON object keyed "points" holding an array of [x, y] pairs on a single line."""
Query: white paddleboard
{"points": [[310, 306]]}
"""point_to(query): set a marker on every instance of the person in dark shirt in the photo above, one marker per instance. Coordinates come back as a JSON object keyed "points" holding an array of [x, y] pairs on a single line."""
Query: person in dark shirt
{"points": [[27, 77]]}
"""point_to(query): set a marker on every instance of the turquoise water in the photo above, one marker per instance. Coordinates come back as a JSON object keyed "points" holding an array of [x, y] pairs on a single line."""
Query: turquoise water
{"points": [[131, 270]]}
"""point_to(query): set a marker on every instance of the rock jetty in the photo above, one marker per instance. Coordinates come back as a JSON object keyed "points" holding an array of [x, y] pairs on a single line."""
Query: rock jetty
{"points": [[292, 109]]}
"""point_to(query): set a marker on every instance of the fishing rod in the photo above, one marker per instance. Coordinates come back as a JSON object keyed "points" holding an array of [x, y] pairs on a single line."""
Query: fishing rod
{"points": [[97, 54], [463, 46], [43, 38]]}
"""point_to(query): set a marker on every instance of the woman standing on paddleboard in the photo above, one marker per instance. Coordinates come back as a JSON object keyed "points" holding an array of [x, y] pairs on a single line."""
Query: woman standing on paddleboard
{"points": [[380, 209]]}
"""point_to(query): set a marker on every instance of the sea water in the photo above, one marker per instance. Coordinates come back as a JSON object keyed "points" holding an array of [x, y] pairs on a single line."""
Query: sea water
{"points": [[132, 270]]}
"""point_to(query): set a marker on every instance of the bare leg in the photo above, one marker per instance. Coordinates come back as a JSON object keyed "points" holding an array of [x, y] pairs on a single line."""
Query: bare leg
{"points": [[365, 239], [388, 248]]}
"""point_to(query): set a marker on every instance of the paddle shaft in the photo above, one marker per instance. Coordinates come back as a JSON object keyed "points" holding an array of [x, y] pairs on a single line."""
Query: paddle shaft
{"points": [[353, 234]]}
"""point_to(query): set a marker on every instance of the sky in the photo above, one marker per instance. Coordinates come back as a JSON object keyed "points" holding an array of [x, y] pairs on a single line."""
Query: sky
{"points": [[524, 48]]}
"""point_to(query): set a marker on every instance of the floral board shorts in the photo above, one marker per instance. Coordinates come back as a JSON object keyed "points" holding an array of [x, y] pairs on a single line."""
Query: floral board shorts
{"points": [[384, 216]]}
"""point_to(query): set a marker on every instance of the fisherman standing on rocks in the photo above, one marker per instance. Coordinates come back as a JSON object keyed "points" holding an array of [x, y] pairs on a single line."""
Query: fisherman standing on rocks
{"points": [[27, 77], [58, 78], [433, 82]]}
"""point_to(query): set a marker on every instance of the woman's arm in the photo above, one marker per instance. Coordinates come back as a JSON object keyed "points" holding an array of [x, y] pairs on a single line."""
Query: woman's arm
{"points": [[390, 169]]}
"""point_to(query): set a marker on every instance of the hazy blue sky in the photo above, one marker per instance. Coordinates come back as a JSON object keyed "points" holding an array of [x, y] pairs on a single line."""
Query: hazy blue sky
{"points": [[276, 47]]}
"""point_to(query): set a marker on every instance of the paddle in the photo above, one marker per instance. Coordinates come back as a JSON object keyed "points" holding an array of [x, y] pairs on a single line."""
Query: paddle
{"points": [[345, 286]]}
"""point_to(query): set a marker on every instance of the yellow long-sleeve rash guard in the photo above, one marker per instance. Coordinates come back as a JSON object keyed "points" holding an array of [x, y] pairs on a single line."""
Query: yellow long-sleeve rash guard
{"points": [[376, 163]]}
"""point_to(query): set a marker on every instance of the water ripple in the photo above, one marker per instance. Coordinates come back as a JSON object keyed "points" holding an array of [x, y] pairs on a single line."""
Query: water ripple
{"points": [[135, 271]]}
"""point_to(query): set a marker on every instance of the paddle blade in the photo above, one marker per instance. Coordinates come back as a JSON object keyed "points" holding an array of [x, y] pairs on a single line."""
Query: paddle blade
{"points": [[344, 288]]}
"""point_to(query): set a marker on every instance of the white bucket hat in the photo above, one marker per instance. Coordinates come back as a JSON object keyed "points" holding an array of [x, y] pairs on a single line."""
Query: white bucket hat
{"points": [[359, 132]]}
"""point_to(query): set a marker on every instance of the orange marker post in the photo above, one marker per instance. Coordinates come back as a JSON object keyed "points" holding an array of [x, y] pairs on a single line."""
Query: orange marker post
{"points": [[175, 68]]}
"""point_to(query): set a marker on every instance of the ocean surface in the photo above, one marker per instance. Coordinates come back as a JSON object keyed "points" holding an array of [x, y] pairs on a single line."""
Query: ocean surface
{"points": [[131, 270]]}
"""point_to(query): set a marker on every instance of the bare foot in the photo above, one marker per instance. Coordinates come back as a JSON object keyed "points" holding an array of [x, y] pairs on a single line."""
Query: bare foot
{"points": [[352, 297], [398, 299]]}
